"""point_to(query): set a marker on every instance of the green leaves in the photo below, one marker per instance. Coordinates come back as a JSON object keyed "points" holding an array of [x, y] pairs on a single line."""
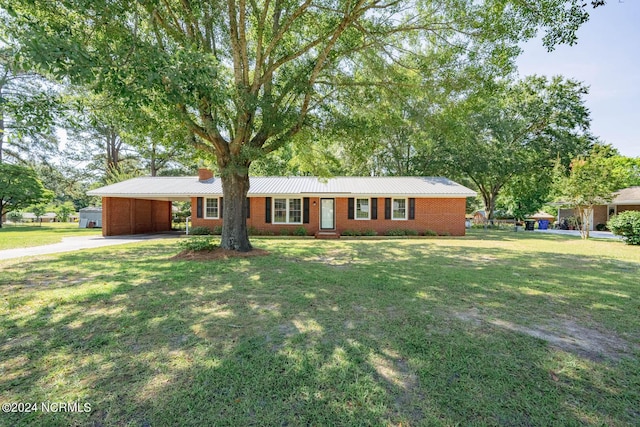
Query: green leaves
{"points": [[510, 135], [19, 188], [627, 225]]}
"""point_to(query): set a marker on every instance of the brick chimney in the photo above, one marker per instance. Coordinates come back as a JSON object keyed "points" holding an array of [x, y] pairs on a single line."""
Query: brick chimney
{"points": [[204, 174]]}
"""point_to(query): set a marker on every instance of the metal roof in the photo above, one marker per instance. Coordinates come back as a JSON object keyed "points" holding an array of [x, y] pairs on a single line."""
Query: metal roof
{"points": [[177, 188]]}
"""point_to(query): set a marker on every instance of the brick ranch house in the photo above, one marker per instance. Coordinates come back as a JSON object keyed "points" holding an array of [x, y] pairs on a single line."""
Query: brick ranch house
{"points": [[143, 205], [627, 199]]}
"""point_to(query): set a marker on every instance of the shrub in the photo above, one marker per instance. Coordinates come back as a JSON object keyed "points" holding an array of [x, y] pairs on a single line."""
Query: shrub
{"points": [[430, 233], [284, 232], [351, 233], [197, 244], [446, 233], [200, 231], [252, 231], [401, 232], [369, 232], [300, 231], [627, 225], [601, 227]]}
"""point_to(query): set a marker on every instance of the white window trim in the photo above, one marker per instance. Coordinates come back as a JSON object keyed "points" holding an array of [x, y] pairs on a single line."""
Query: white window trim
{"points": [[205, 208], [355, 208], [406, 208], [273, 210]]}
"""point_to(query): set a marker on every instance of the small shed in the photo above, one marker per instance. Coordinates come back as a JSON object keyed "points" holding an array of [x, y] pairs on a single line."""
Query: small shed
{"points": [[91, 217]]}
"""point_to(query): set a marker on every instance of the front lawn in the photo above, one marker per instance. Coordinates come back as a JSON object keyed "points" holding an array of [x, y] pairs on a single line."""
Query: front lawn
{"points": [[497, 328], [28, 235]]}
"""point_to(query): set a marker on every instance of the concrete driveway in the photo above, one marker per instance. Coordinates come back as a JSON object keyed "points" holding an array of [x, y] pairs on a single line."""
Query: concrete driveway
{"points": [[70, 244], [595, 234]]}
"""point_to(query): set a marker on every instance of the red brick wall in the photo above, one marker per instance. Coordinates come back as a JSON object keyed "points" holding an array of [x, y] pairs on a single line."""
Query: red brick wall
{"points": [[121, 216], [439, 215], [599, 215], [622, 208], [443, 215]]}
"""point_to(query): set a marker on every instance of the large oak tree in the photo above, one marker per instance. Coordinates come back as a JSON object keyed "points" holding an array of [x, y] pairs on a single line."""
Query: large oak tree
{"points": [[244, 76], [512, 135]]}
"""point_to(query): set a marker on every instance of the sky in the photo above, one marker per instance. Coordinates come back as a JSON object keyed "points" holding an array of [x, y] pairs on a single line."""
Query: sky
{"points": [[606, 58]]}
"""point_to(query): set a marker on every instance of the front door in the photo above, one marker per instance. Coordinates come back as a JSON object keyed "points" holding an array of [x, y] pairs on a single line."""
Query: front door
{"points": [[327, 214]]}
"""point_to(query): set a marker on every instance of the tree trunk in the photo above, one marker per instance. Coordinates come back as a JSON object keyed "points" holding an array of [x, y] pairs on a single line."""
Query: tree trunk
{"points": [[235, 186], [1, 129], [489, 205], [584, 213], [152, 162]]}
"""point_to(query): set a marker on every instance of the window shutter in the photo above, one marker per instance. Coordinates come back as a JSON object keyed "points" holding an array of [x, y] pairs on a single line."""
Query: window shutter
{"points": [[351, 208], [387, 208], [412, 208], [267, 210], [199, 207], [374, 208], [248, 207], [305, 210], [220, 208]]}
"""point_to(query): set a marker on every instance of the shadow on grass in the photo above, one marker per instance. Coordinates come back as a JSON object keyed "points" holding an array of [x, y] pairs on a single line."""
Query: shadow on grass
{"points": [[357, 333]]}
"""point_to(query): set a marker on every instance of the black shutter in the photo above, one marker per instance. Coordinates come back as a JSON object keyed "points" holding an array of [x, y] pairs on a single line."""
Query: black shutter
{"points": [[351, 207], [374, 208], [387, 208], [248, 207], [267, 210], [305, 210], [412, 208], [199, 207], [220, 208]]}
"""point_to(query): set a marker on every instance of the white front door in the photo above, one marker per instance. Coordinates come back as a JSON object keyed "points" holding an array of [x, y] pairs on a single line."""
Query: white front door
{"points": [[327, 214]]}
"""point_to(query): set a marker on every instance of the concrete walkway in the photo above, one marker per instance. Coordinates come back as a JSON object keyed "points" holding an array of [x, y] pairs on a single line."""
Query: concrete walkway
{"points": [[70, 244]]}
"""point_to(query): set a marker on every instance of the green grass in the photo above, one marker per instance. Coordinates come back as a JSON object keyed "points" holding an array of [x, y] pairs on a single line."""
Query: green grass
{"points": [[28, 235], [497, 328]]}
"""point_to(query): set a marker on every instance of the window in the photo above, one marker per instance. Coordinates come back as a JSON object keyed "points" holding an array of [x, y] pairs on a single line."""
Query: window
{"points": [[399, 209], [211, 208], [295, 210], [280, 210], [362, 209], [287, 211]]}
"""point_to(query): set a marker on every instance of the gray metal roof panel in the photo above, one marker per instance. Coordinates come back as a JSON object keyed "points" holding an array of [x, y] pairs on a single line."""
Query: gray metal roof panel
{"points": [[190, 186]]}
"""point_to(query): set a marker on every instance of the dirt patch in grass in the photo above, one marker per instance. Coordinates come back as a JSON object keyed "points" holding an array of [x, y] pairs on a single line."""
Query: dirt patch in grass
{"points": [[565, 334], [215, 254]]}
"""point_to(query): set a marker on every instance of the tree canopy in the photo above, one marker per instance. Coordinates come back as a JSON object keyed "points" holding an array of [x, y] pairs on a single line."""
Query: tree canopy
{"points": [[247, 76], [28, 106], [19, 188], [591, 181], [512, 136]]}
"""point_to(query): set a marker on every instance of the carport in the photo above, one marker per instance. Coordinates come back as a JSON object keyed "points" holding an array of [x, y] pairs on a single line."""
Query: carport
{"points": [[124, 216], [140, 206]]}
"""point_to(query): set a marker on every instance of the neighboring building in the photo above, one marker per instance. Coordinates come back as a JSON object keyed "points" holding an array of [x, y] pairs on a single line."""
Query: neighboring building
{"points": [[627, 199], [90, 217], [143, 205], [31, 217]]}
